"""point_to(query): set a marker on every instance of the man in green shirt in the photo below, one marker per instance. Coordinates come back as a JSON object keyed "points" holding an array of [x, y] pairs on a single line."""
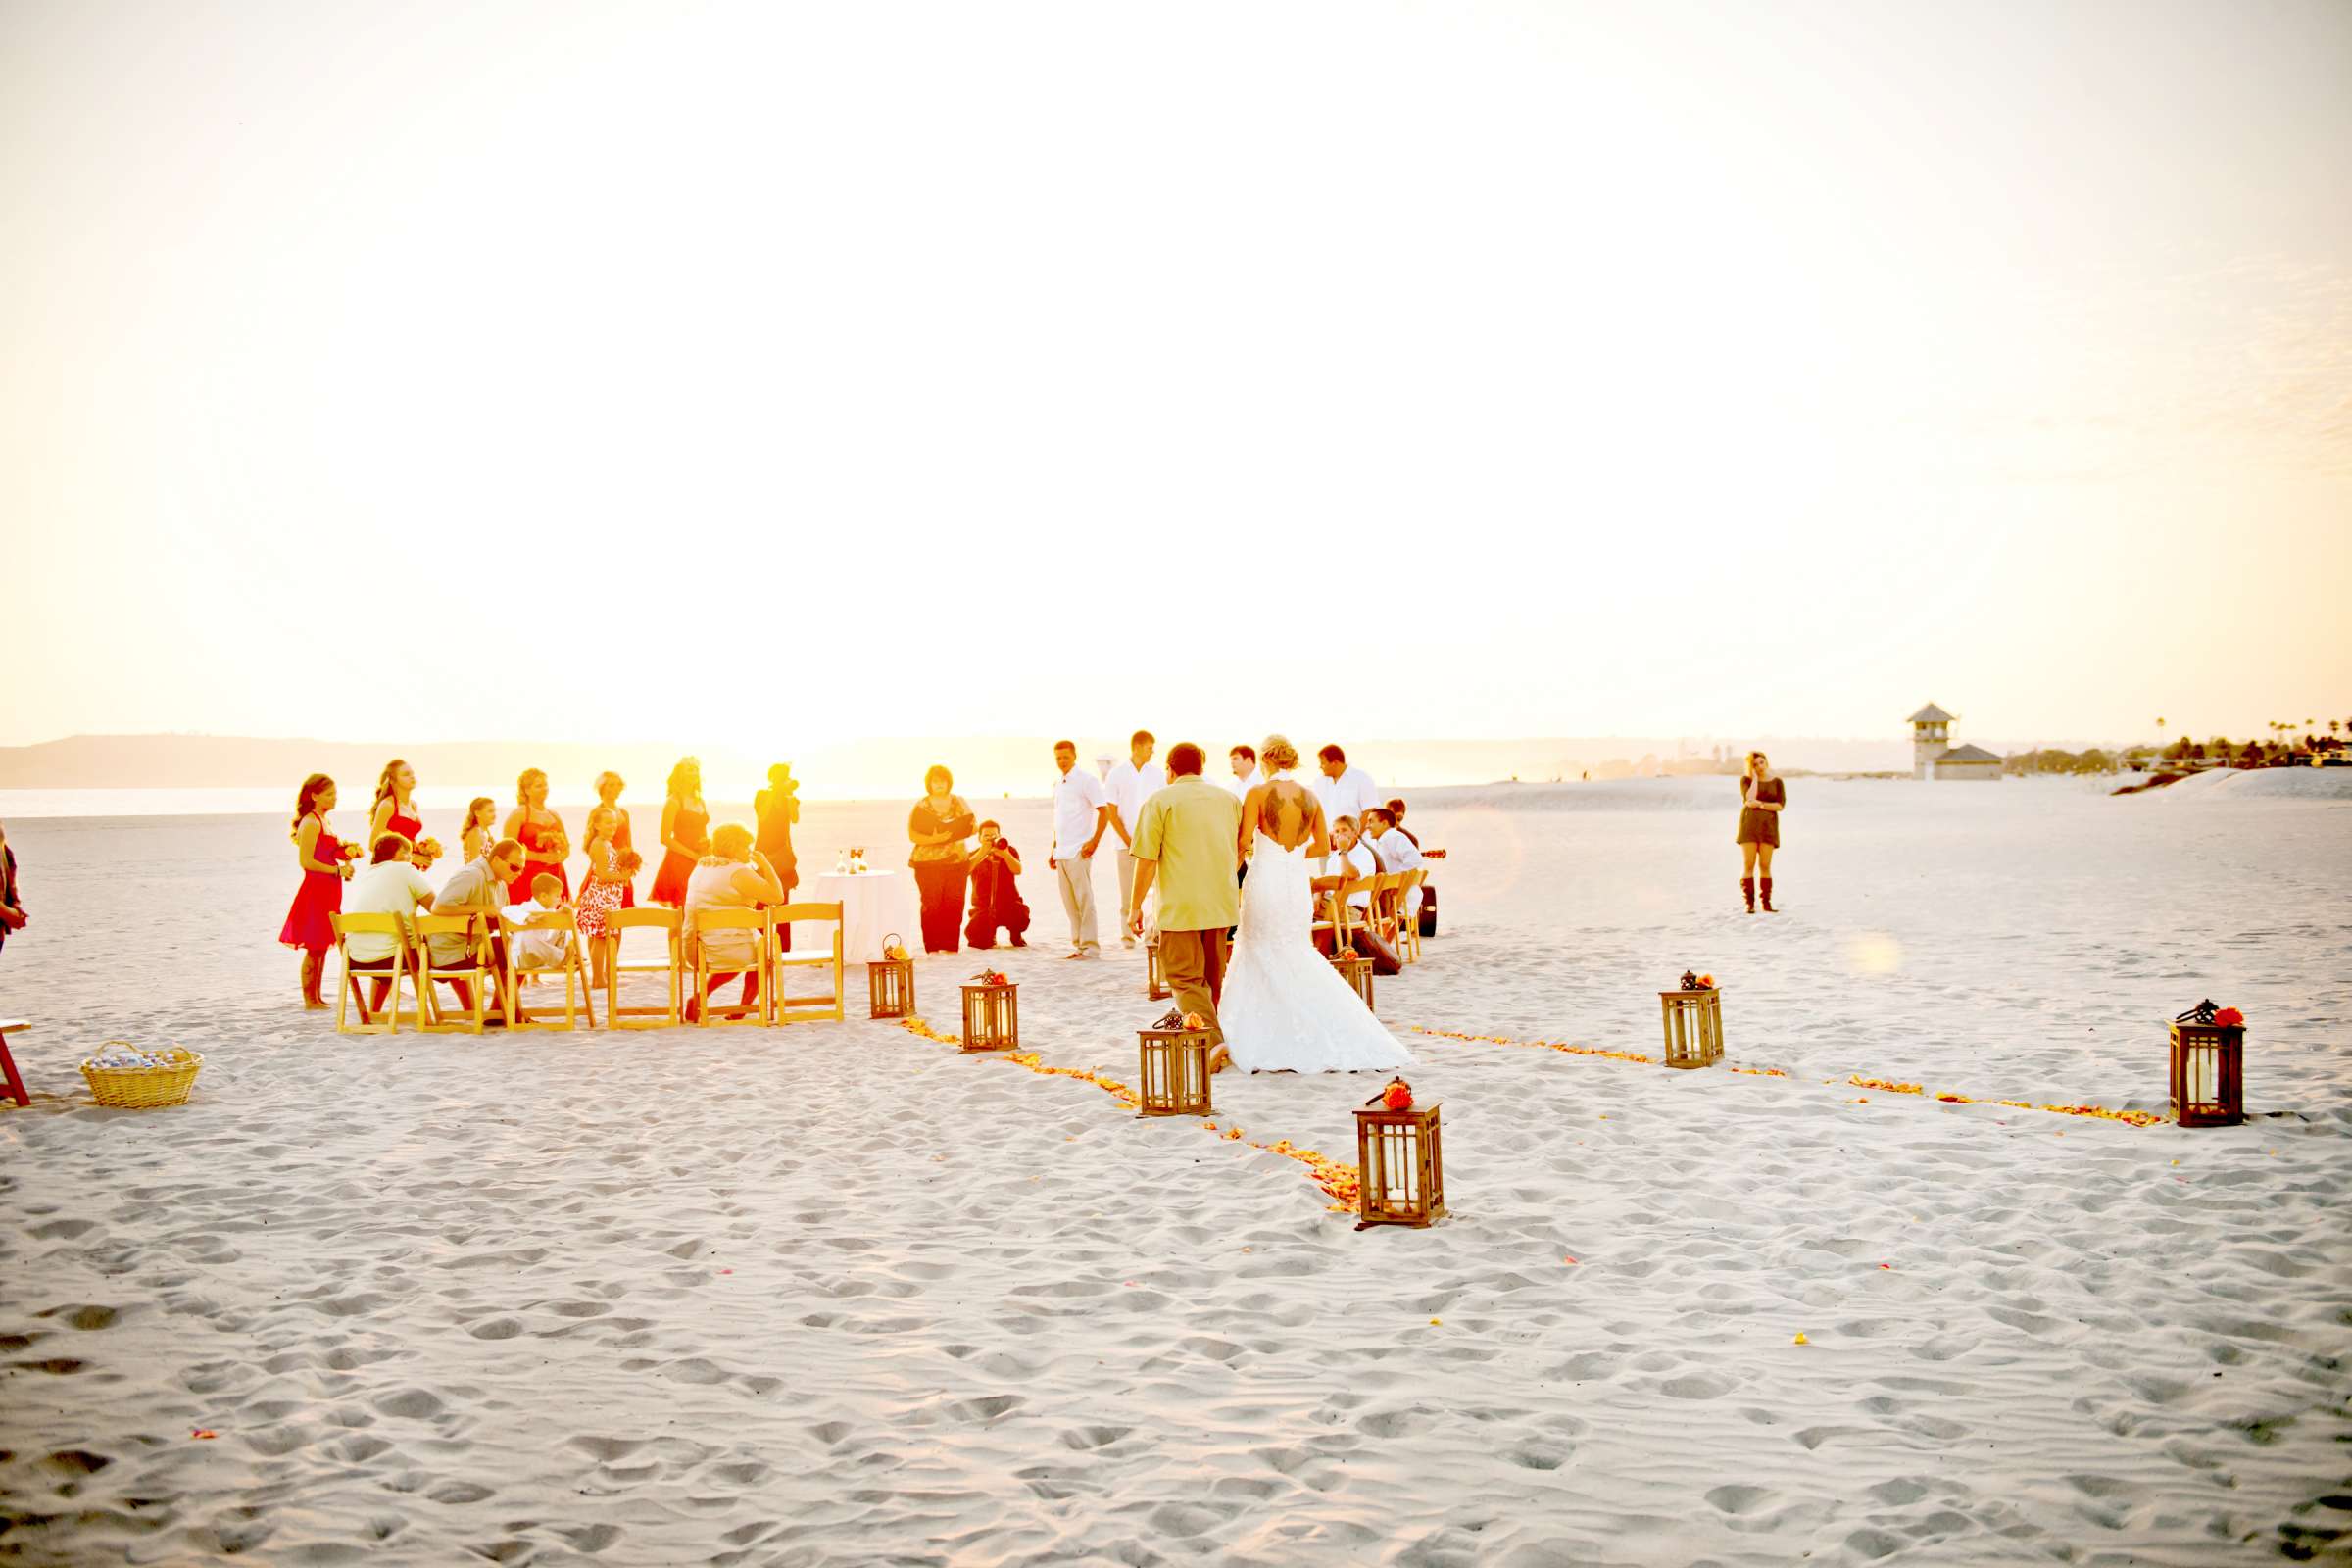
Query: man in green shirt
{"points": [[1188, 841]]}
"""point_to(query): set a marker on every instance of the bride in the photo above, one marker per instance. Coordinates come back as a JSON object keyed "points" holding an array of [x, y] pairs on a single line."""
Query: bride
{"points": [[1285, 1008]]}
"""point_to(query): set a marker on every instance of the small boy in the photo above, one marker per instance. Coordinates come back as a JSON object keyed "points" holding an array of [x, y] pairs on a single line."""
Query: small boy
{"points": [[536, 949]]}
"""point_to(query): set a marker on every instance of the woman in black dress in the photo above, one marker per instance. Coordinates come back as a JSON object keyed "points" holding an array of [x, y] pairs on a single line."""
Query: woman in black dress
{"points": [[1762, 797]]}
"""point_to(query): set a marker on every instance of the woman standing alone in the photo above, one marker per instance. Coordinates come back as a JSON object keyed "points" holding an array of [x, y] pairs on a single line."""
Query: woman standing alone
{"points": [[325, 868], [1762, 798]]}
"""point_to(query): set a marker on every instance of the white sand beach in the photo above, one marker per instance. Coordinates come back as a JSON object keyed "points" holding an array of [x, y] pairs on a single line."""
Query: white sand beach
{"points": [[835, 1295]]}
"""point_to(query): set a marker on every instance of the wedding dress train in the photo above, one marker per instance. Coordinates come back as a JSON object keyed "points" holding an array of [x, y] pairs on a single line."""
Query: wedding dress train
{"points": [[1284, 1007]]}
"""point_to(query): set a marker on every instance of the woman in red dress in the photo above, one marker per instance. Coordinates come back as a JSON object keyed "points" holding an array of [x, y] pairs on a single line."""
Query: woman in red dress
{"points": [[685, 833], [321, 855], [396, 812], [609, 786], [540, 832]]}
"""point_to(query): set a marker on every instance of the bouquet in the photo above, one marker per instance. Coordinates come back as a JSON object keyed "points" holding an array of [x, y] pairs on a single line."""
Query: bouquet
{"points": [[425, 852]]}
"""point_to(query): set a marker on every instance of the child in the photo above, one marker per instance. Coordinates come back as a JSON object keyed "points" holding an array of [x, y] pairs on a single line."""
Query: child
{"points": [[480, 830], [602, 889], [537, 949]]}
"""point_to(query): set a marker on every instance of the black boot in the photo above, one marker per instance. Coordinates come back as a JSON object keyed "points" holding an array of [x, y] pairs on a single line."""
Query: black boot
{"points": [[1768, 909], [1747, 887]]}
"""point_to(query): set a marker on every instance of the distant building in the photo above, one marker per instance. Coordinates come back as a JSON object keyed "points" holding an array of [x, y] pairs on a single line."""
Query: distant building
{"points": [[1934, 757]]}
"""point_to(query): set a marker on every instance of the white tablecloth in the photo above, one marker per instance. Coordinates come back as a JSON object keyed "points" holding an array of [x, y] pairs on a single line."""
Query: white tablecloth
{"points": [[873, 905]]}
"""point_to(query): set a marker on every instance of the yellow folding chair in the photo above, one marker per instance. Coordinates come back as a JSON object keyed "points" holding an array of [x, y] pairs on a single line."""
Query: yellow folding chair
{"points": [[478, 971], [652, 917], [577, 996], [402, 965], [1409, 918], [783, 1009], [734, 1014]]}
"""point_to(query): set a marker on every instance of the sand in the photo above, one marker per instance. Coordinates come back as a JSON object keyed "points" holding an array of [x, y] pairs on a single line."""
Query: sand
{"points": [[835, 1294]]}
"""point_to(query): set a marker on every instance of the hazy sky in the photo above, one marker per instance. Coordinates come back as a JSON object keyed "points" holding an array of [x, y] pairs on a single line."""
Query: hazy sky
{"points": [[786, 374]]}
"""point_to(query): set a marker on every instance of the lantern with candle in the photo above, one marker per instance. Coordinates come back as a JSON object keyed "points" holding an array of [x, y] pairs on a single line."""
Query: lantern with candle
{"points": [[2208, 1047]]}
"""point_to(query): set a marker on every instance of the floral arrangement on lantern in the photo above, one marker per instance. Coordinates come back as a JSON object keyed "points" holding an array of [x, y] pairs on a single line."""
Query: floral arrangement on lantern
{"points": [[1397, 1095], [1698, 982], [991, 977], [896, 952], [2229, 1018], [1172, 1020]]}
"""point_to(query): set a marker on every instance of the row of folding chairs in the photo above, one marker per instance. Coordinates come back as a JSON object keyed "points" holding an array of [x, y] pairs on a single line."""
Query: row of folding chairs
{"points": [[1387, 912], [490, 986]]}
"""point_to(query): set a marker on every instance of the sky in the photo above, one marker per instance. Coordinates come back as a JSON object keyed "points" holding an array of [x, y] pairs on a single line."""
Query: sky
{"points": [[778, 375]]}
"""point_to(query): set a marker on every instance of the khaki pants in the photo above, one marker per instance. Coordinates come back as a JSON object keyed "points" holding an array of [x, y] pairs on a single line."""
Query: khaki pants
{"points": [[1194, 962], [1077, 875], [1126, 860]]}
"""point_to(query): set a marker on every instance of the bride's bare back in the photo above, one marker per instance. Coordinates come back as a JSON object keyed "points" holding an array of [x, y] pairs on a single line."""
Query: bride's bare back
{"points": [[1291, 815]]}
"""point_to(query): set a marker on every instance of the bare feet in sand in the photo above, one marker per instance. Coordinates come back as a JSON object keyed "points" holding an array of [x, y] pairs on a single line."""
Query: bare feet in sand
{"points": [[1217, 1059]]}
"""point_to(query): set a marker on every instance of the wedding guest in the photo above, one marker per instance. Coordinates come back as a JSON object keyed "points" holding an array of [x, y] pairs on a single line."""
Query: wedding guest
{"points": [[602, 885], [1345, 791], [537, 947], [1130, 787], [997, 902], [937, 827], [540, 832], [394, 811], [609, 786], [325, 868], [734, 875], [1081, 816], [1763, 796], [776, 808], [1395, 810], [1247, 774], [478, 885], [685, 833], [1353, 859], [12, 901], [1396, 850], [391, 885], [480, 830]]}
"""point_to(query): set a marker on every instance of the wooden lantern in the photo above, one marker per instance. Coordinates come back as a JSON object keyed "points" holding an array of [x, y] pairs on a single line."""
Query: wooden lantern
{"points": [[1693, 1019], [890, 983], [1175, 1073], [1400, 1169], [1156, 978], [992, 1017], [1357, 970], [2209, 1066]]}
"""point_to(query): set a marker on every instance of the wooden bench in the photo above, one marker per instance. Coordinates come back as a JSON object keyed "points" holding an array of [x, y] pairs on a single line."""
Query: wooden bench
{"points": [[7, 1063]]}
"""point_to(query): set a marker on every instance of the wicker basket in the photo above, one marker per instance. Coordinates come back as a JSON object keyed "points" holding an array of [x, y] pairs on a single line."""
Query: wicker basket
{"points": [[142, 1088]]}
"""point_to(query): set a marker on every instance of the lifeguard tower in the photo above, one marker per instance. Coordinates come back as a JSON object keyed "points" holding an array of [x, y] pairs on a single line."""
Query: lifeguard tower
{"points": [[1930, 738]]}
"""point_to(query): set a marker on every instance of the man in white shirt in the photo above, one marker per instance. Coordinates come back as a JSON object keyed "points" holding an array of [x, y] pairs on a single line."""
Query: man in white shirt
{"points": [[1247, 774], [1397, 851], [1345, 791], [389, 886], [1130, 787], [1082, 813]]}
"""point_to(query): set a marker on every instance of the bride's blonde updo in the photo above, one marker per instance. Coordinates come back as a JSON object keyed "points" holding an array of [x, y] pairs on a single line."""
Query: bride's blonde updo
{"points": [[1278, 754]]}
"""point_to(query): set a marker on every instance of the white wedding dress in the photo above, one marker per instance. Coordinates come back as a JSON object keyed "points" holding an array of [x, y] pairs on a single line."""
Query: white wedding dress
{"points": [[1283, 1007]]}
